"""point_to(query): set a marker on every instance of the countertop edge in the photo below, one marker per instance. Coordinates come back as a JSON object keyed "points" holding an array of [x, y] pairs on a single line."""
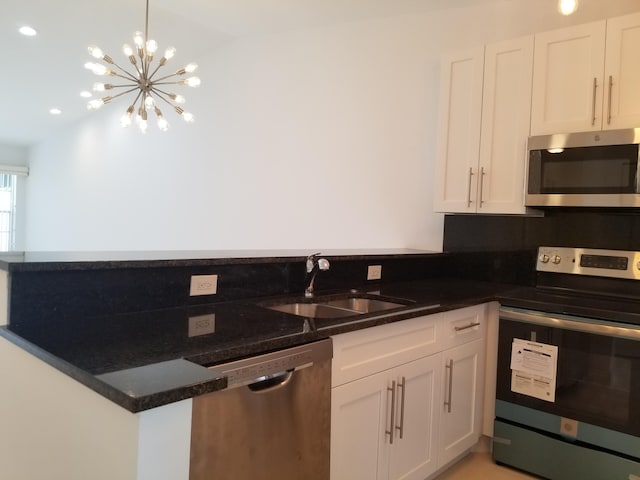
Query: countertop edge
{"points": [[64, 261], [133, 404]]}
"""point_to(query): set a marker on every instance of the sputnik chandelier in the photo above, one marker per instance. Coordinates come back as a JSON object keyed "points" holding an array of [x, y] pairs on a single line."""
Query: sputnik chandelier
{"points": [[142, 81]]}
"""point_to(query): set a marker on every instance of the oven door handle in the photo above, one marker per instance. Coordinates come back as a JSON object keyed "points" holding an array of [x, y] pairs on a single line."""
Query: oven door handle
{"points": [[569, 323]]}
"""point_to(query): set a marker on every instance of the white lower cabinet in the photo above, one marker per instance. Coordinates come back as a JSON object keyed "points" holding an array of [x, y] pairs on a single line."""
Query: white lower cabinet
{"points": [[461, 418], [400, 417], [384, 424]]}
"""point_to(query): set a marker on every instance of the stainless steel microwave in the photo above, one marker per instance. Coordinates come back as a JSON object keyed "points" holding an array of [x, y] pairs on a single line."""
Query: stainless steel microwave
{"points": [[590, 169]]}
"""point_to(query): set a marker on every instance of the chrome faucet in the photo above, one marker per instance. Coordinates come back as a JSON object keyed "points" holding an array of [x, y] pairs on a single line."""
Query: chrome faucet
{"points": [[314, 265]]}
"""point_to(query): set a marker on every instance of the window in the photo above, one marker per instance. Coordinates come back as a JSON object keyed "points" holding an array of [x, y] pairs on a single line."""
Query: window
{"points": [[8, 184], [12, 178]]}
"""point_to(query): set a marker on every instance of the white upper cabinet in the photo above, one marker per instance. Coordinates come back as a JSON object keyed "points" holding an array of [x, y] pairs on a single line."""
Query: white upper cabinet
{"points": [[622, 73], [586, 77], [459, 131], [567, 80], [506, 114], [484, 123]]}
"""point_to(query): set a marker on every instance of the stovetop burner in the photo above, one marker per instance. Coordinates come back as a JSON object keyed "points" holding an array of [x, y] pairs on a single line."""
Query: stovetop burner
{"points": [[594, 283]]}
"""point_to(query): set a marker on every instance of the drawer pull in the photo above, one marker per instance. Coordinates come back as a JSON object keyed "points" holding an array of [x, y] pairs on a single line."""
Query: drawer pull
{"points": [[466, 327]]}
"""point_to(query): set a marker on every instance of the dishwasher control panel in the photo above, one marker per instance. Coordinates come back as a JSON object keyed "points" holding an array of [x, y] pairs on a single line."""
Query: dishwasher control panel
{"points": [[254, 369]]}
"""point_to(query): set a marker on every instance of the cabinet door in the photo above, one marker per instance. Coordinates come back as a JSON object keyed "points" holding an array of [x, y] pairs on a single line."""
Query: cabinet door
{"points": [[360, 415], [459, 131], [506, 115], [567, 80], [413, 455], [622, 73], [461, 415]]}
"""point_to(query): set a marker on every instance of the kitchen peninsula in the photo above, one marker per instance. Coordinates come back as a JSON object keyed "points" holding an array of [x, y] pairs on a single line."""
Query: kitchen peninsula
{"points": [[110, 358]]}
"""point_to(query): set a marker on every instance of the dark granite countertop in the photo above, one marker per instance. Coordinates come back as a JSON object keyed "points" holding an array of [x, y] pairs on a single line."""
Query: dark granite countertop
{"points": [[152, 358]]}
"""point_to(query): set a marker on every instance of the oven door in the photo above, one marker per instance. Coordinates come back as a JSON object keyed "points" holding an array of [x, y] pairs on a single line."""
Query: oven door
{"points": [[598, 368]]}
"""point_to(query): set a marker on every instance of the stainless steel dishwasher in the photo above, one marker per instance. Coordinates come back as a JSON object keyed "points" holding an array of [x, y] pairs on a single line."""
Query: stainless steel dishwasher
{"points": [[271, 423]]}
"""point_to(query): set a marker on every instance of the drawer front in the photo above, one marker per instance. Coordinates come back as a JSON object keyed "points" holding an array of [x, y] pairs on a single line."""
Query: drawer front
{"points": [[463, 325], [364, 352]]}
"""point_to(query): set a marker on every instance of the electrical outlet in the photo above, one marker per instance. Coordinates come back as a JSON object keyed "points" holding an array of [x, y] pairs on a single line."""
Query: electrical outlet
{"points": [[374, 272], [203, 285], [202, 325]]}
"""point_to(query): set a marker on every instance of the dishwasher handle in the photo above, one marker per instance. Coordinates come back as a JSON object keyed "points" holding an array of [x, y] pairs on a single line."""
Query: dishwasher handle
{"points": [[272, 382]]}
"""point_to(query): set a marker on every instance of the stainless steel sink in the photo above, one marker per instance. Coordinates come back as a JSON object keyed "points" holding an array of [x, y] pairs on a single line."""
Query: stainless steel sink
{"points": [[335, 307], [363, 305], [313, 310]]}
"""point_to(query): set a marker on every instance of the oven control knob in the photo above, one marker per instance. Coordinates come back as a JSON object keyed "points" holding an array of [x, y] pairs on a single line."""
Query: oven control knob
{"points": [[556, 259], [544, 258]]}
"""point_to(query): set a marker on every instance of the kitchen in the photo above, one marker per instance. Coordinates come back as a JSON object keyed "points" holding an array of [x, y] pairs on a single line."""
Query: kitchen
{"points": [[318, 112]]}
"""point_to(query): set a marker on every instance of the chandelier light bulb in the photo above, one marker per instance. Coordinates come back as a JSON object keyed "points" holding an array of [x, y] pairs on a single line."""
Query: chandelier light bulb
{"points": [[95, 104], [138, 39], [125, 120], [152, 47], [95, 51], [143, 80], [191, 82]]}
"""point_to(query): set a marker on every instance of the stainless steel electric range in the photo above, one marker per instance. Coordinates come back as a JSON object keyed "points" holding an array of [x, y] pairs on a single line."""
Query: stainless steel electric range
{"points": [[568, 378]]}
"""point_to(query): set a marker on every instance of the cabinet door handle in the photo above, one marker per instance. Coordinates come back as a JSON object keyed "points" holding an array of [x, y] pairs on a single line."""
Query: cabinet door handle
{"points": [[482, 174], [390, 432], [593, 106], [609, 106], [402, 385], [466, 327], [447, 402], [469, 202]]}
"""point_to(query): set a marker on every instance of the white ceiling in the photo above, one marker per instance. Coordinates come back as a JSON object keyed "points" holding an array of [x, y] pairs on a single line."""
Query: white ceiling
{"points": [[46, 71]]}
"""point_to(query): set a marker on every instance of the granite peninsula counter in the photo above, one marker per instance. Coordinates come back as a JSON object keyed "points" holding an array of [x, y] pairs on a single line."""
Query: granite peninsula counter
{"points": [[122, 327]]}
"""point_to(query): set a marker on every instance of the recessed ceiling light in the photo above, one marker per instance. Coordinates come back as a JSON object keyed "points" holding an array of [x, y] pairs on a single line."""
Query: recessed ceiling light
{"points": [[55, 111], [86, 94], [567, 7], [28, 31]]}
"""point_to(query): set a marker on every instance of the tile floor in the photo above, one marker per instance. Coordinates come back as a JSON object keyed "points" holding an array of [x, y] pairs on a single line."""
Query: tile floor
{"points": [[480, 466]]}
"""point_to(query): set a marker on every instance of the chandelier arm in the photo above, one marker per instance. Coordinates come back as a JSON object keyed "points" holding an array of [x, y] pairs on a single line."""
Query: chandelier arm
{"points": [[161, 95], [158, 91], [155, 71], [168, 83], [124, 85], [125, 72], [165, 77], [124, 93], [130, 77]]}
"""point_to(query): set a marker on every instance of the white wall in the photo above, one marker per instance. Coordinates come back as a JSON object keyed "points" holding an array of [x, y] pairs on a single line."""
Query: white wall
{"points": [[322, 138]]}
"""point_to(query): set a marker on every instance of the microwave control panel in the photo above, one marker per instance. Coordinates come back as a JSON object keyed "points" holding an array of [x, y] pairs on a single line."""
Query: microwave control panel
{"points": [[589, 261]]}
